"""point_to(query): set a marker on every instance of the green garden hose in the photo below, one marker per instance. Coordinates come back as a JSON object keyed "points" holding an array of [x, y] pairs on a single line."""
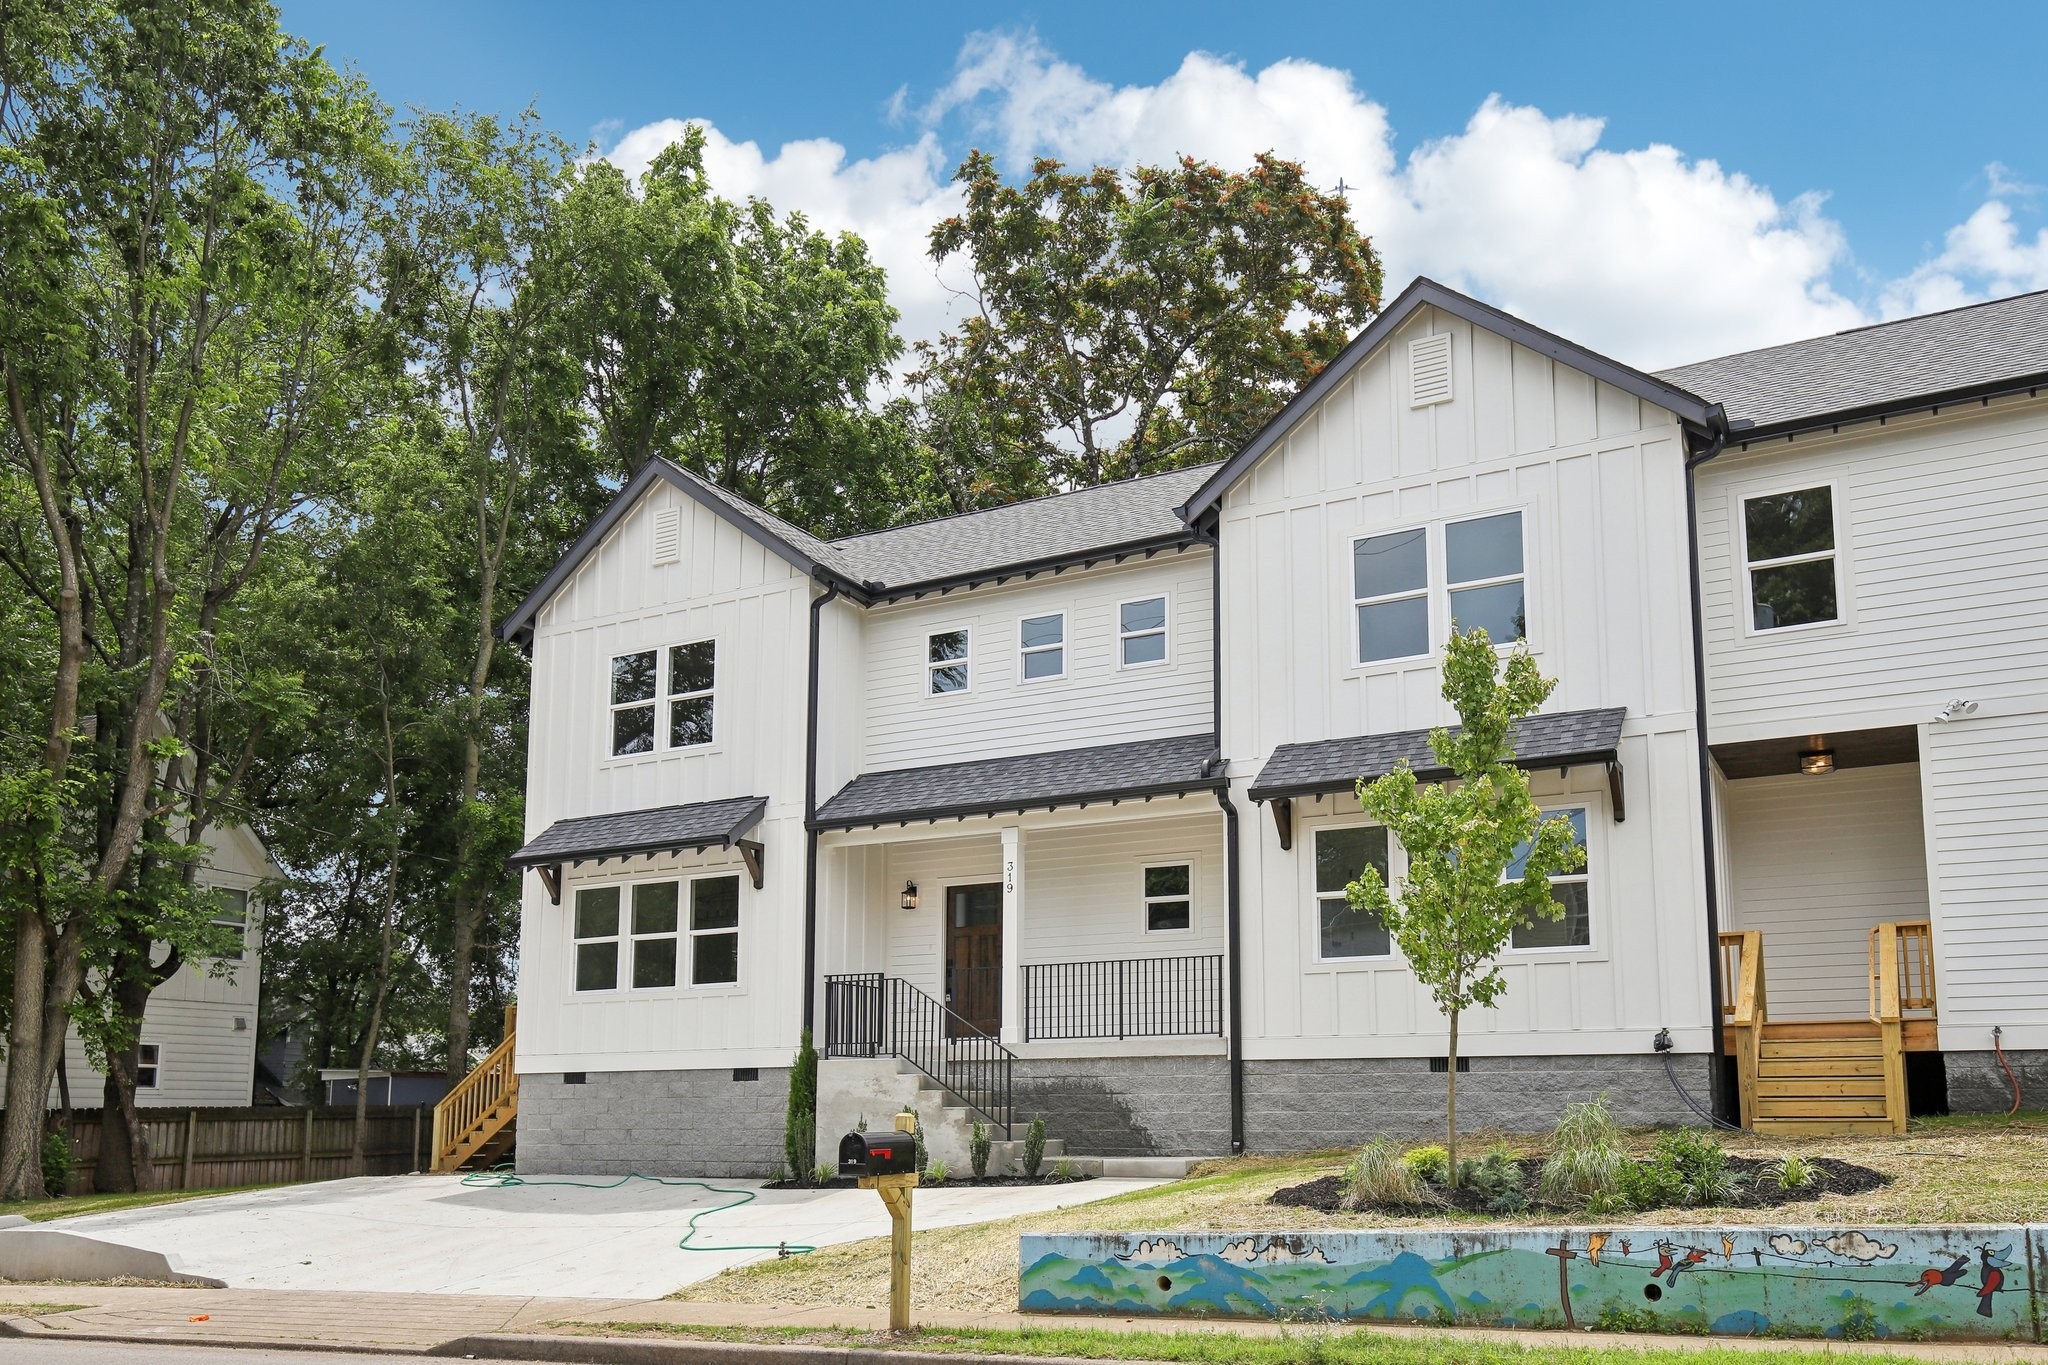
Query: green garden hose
{"points": [[504, 1178]]}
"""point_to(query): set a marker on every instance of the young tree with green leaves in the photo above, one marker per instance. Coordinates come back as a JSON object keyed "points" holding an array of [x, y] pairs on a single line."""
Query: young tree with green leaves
{"points": [[1457, 909]]}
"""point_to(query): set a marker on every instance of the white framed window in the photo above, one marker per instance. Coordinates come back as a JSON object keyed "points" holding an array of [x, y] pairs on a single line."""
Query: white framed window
{"points": [[233, 914], [1141, 632], [664, 698], [1483, 576], [1390, 594], [946, 662], [1410, 586], [1342, 853], [715, 930], [149, 1066], [596, 929], [1042, 647], [655, 934], [1572, 890], [1169, 898], [1790, 558]]}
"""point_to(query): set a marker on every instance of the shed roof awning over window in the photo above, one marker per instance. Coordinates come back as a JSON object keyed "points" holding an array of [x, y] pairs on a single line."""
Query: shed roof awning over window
{"points": [[664, 829], [1562, 740], [1067, 777]]}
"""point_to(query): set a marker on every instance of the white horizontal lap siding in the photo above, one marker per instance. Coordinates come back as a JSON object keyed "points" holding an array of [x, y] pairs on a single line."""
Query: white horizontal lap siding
{"points": [[917, 938], [1084, 896], [1942, 557], [203, 1058], [1814, 864], [1598, 477], [1985, 785], [1097, 702]]}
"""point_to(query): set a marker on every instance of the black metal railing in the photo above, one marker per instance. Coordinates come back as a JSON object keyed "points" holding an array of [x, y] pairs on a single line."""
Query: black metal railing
{"points": [[1144, 997], [871, 1015]]}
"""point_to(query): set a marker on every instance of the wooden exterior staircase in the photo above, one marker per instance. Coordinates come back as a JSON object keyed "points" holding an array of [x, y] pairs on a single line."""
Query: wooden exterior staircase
{"points": [[476, 1123], [1830, 1075]]}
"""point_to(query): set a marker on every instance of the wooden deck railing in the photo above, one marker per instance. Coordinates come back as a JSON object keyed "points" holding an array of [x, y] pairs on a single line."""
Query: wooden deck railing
{"points": [[1745, 1010], [1901, 985], [475, 1097]]}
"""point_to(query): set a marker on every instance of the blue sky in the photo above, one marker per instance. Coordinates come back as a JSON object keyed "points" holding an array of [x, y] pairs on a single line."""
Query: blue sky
{"points": [[1827, 164]]}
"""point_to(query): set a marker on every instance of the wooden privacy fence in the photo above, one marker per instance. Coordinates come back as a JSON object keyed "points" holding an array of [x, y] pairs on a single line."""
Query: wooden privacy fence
{"points": [[204, 1149]]}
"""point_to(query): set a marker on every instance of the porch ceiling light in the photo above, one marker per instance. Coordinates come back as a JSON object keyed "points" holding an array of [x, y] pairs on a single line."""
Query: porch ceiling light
{"points": [[910, 895], [1818, 761]]}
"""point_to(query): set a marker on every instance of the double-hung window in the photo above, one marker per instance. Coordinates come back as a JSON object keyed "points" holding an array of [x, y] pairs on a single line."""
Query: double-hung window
{"points": [[597, 938], [1169, 898], [1483, 572], [656, 935], [1402, 580], [1342, 855], [1042, 647], [1572, 890], [149, 1066], [233, 915], [1141, 632], [645, 694], [715, 931], [945, 662], [1789, 548], [1390, 593]]}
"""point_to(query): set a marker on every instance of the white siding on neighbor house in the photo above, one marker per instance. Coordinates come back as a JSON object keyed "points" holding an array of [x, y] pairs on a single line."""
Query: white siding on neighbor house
{"points": [[1985, 785], [1598, 477], [1816, 862], [1943, 565], [1097, 702]]}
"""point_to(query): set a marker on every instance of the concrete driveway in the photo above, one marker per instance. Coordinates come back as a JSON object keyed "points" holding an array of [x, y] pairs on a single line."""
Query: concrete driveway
{"points": [[429, 1234]]}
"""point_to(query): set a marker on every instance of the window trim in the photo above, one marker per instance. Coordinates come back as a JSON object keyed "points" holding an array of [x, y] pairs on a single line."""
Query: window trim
{"points": [[1739, 500], [155, 1065], [621, 965], [630, 938], [1145, 901], [225, 922], [1437, 591], [1430, 554], [686, 973], [1397, 867], [669, 699], [1583, 877], [662, 702], [1522, 577], [1164, 632], [684, 936], [966, 661], [1025, 651]]}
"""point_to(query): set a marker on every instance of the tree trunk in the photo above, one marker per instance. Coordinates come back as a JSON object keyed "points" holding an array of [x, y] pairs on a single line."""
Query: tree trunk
{"points": [[125, 1162], [21, 1135], [1451, 1105]]}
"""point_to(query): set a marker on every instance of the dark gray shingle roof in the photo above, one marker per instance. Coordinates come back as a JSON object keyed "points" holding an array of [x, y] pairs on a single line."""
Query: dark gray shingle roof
{"points": [[1892, 362], [664, 829], [1334, 765], [1150, 767]]}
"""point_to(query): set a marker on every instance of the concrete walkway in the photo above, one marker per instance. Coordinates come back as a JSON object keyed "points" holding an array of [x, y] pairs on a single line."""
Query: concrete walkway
{"points": [[422, 1235]]}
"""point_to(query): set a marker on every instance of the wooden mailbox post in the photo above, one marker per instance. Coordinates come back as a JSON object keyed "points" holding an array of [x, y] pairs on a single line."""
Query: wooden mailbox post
{"points": [[895, 1191]]}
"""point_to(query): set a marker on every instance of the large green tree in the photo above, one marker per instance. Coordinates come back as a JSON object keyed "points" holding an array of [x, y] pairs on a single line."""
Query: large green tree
{"points": [[1124, 323]]}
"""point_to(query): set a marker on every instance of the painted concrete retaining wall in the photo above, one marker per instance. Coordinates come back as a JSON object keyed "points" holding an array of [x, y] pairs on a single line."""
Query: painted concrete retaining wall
{"points": [[1848, 1283]]}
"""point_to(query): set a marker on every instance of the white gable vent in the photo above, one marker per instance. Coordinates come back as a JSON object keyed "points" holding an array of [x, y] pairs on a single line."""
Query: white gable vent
{"points": [[1429, 370], [668, 535]]}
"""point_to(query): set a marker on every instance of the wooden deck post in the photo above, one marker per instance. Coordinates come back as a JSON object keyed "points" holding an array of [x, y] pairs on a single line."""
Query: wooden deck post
{"points": [[306, 1147], [416, 1137], [191, 1134]]}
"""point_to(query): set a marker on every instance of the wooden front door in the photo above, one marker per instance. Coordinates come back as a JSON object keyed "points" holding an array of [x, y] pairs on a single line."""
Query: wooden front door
{"points": [[974, 958]]}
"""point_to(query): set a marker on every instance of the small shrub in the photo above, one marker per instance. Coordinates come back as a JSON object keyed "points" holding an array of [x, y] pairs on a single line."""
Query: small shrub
{"points": [[824, 1174], [1498, 1178], [1065, 1170], [800, 1121], [1431, 1163], [1586, 1159], [979, 1144], [59, 1161], [1376, 1176], [937, 1173], [780, 1175], [1034, 1147], [1794, 1173], [1695, 1167], [860, 1125]]}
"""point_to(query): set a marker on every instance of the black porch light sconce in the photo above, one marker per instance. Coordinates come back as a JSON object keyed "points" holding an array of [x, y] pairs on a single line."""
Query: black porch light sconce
{"points": [[1818, 761], [910, 895]]}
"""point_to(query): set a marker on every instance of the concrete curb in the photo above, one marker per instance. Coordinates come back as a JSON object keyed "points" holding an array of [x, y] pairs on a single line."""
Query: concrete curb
{"points": [[625, 1351], [36, 1253], [11, 1329]]}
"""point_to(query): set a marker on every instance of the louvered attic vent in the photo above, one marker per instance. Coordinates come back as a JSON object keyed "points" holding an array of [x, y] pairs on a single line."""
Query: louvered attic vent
{"points": [[1429, 370], [668, 535]]}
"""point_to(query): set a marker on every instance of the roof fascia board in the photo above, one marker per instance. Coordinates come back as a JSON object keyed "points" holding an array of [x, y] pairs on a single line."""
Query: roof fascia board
{"points": [[1688, 407], [1432, 773], [963, 811], [2030, 384], [883, 594]]}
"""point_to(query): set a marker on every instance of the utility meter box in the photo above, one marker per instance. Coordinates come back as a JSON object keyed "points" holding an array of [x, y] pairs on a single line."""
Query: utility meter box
{"points": [[877, 1154]]}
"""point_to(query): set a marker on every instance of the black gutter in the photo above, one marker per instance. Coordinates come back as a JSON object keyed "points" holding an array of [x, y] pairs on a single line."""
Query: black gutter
{"points": [[1232, 895], [1718, 1090], [881, 594], [932, 814], [1747, 436], [811, 807]]}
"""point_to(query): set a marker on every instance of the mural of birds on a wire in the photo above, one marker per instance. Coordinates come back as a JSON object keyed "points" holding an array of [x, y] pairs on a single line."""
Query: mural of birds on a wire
{"points": [[1941, 1279], [1995, 1264]]}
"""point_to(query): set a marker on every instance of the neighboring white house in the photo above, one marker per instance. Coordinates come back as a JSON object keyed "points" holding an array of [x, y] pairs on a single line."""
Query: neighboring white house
{"points": [[1053, 802]]}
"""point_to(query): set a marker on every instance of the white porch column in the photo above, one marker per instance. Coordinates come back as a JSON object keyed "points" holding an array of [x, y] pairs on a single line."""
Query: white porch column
{"points": [[1013, 936]]}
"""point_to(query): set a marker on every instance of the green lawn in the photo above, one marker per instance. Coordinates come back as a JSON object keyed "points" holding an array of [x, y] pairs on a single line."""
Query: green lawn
{"points": [[72, 1205]]}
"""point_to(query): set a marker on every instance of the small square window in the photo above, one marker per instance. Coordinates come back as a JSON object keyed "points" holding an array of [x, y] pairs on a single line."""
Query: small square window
{"points": [[1390, 594], [946, 662], [149, 1060], [1789, 541], [641, 692], [1342, 931], [1042, 646], [1141, 632], [1169, 899]]}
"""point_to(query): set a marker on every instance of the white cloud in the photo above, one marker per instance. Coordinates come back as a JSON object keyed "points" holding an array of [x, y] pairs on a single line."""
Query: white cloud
{"points": [[1644, 253]]}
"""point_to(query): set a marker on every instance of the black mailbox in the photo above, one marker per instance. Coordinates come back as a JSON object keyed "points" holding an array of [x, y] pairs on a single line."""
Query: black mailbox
{"points": [[877, 1154]]}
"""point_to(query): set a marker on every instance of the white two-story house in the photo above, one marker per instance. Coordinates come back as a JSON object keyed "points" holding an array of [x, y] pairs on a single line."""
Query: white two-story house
{"points": [[1049, 808]]}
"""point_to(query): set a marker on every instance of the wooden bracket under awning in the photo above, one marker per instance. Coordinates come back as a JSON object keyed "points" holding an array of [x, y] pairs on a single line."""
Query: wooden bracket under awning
{"points": [[750, 854], [551, 878], [1283, 820], [1615, 797]]}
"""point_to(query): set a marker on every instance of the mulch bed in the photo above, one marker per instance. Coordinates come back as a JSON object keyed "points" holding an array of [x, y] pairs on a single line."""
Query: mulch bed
{"points": [[1843, 1177], [847, 1182]]}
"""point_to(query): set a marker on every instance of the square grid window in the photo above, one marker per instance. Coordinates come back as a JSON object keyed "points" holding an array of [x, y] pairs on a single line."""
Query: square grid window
{"points": [[597, 938], [945, 662], [1483, 572], [1042, 643], [1343, 932], [642, 691], [1390, 594], [1789, 542], [233, 914], [715, 931], [149, 1063], [1141, 632], [1169, 898], [1572, 890]]}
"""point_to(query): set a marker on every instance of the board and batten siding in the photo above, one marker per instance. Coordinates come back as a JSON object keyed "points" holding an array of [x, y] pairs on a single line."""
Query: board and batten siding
{"points": [[1598, 476], [1985, 786], [1816, 862], [728, 587], [1097, 702], [1942, 537]]}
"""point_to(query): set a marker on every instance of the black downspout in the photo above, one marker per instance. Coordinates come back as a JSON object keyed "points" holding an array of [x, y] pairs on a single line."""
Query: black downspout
{"points": [[811, 812], [1717, 426], [1233, 900]]}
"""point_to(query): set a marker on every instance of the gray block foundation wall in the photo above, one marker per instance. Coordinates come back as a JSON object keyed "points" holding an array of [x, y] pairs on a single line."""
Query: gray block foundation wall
{"points": [[689, 1123], [1127, 1106], [1301, 1106], [1977, 1085]]}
